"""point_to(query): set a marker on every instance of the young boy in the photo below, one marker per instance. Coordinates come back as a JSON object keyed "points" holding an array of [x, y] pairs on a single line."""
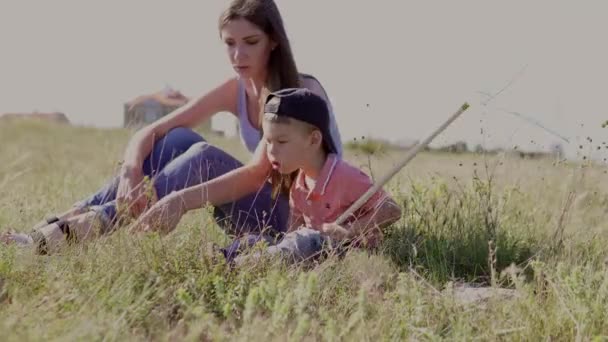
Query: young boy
{"points": [[296, 129]]}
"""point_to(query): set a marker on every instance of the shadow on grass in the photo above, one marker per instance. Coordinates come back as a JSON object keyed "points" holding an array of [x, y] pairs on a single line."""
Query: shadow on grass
{"points": [[462, 235]]}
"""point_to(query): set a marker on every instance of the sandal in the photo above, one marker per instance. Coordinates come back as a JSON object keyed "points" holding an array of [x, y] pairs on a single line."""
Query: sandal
{"points": [[41, 241]]}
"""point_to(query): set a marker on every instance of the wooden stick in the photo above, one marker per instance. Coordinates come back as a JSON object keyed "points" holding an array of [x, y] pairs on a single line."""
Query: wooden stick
{"points": [[412, 153]]}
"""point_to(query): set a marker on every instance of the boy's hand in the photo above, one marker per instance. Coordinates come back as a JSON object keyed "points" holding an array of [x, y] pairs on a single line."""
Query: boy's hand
{"points": [[335, 231], [163, 216]]}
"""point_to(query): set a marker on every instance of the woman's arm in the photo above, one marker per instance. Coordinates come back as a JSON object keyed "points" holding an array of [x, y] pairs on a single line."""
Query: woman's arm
{"points": [[222, 98], [129, 195]]}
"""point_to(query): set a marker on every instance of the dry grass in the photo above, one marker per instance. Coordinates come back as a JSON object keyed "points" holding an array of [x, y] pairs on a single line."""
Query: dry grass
{"points": [[545, 221]]}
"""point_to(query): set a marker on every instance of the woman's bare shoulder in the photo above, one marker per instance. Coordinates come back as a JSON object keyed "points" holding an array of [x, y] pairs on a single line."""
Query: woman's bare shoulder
{"points": [[225, 94]]}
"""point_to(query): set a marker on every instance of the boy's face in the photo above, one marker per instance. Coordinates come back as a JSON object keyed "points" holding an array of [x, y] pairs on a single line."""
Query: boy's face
{"points": [[289, 145]]}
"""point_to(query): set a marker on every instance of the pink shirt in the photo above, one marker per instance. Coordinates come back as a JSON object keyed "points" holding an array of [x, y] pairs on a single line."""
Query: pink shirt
{"points": [[338, 186]]}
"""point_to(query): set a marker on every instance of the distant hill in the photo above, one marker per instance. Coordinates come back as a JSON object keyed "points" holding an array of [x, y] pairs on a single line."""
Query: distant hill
{"points": [[56, 117]]}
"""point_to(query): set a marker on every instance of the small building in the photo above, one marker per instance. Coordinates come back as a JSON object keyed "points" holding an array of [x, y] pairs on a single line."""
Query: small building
{"points": [[148, 108], [145, 112]]}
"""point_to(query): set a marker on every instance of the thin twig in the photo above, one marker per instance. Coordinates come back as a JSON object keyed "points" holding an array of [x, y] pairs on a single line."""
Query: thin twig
{"points": [[424, 281], [507, 86]]}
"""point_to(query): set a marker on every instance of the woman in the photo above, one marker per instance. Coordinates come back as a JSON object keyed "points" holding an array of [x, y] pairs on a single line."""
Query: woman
{"points": [[180, 162]]}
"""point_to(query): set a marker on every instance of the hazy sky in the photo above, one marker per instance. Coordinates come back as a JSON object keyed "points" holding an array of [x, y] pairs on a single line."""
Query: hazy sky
{"points": [[413, 62]]}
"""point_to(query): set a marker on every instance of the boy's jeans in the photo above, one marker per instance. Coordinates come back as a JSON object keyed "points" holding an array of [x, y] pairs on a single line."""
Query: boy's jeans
{"points": [[303, 244]]}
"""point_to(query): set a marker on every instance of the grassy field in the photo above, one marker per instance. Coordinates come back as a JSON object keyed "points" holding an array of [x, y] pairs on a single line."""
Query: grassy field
{"points": [[534, 226]]}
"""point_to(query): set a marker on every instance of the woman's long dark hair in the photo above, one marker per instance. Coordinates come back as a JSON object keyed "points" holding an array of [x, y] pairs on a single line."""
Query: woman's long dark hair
{"points": [[282, 70]]}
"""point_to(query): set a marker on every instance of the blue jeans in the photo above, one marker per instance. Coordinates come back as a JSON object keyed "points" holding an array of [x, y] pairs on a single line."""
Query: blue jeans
{"points": [[181, 159], [302, 244]]}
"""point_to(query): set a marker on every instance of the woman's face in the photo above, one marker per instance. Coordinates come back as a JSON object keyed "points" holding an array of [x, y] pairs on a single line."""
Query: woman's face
{"points": [[248, 47]]}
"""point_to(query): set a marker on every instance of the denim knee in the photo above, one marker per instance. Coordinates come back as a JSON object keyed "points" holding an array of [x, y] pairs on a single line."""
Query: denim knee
{"points": [[197, 165], [183, 134], [177, 141]]}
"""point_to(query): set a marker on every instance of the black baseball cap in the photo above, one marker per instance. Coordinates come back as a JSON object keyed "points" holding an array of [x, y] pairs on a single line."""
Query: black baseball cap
{"points": [[304, 105]]}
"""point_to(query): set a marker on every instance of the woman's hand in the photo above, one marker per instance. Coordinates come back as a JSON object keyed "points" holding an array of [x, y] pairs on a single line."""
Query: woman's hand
{"points": [[163, 216], [130, 196]]}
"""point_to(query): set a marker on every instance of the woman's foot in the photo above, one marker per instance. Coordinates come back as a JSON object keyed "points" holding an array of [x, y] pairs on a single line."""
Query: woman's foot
{"points": [[55, 235], [77, 228], [20, 239]]}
